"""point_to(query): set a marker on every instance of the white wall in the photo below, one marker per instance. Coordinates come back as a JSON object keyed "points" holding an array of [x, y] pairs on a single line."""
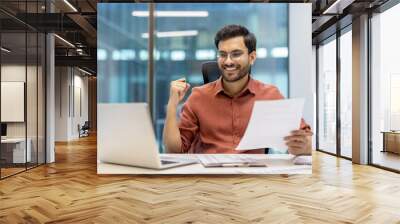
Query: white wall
{"points": [[360, 90], [33, 127], [71, 92], [62, 81], [301, 66], [12, 73], [314, 78], [79, 117]]}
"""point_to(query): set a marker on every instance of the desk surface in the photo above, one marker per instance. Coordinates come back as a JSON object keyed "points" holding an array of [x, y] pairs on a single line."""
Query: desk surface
{"points": [[13, 140], [277, 164], [390, 132]]}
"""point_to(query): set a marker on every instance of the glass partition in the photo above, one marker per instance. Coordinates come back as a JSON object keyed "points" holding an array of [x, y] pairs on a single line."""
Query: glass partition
{"points": [[41, 97], [122, 53], [327, 97], [31, 99], [385, 89], [14, 154], [22, 90], [346, 94]]}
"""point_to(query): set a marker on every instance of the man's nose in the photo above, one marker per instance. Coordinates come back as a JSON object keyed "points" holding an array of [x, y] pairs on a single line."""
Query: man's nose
{"points": [[228, 60]]}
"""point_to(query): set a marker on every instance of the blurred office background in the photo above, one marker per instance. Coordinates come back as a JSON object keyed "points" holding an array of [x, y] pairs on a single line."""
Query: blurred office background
{"points": [[183, 40]]}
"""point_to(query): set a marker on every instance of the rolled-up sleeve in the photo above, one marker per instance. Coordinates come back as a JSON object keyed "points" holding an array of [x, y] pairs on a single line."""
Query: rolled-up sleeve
{"points": [[188, 125]]}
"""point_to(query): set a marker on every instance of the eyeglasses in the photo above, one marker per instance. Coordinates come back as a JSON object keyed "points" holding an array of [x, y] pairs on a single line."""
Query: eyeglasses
{"points": [[235, 55]]}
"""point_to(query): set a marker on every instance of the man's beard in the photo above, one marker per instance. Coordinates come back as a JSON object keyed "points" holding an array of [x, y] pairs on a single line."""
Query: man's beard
{"points": [[240, 73]]}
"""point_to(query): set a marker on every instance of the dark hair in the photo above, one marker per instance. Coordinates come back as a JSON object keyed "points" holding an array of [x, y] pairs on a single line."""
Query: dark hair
{"points": [[231, 31]]}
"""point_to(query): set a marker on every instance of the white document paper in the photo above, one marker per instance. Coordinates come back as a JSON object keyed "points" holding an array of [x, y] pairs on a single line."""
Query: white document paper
{"points": [[270, 122]]}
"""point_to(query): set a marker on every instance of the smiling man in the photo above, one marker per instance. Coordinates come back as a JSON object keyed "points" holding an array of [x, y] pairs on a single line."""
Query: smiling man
{"points": [[215, 116]]}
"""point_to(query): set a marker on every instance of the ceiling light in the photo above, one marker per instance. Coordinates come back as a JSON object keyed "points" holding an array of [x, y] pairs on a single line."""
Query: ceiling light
{"points": [[184, 33], [143, 55], [65, 41], [280, 52], [5, 50], [71, 6], [171, 13], [84, 71], [178, 55], [262, 52], [205, 54], [337, 7], [101, 54]]}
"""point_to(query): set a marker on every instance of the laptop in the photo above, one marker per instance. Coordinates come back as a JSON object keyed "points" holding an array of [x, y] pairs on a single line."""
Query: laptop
{"points": [[125, 136]]}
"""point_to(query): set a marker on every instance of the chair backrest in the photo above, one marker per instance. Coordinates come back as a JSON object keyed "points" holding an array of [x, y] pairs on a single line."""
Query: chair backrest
{"points": [[210, 71], [86, 125]]}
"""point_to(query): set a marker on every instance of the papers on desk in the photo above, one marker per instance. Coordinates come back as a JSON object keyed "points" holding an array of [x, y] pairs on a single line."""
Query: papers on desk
{"points": [[276, 164], [302, 160], [270, 122], [223, 160]]}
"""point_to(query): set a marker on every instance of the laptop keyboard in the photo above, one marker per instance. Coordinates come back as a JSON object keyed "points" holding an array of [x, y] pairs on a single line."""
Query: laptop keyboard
{"points": [[183, 159]]}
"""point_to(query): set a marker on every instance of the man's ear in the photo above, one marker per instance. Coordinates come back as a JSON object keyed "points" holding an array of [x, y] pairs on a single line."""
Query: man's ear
{"points": [[252, 57]]}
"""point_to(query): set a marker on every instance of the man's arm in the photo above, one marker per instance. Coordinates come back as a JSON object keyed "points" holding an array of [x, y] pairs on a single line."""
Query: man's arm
{"points": [[171, 135]]}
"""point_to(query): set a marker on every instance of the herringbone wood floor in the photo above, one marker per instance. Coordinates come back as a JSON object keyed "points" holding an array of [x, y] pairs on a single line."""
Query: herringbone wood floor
{"points": [[70, 191]]}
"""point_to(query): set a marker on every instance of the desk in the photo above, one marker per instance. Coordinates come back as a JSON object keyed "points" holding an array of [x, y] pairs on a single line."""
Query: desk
{"points": [[391, 141], [18, 151], [277, 164]]}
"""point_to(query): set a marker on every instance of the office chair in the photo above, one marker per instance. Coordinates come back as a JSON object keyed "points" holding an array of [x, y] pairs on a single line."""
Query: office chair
{"points": [[210, 71], [84, 130]]}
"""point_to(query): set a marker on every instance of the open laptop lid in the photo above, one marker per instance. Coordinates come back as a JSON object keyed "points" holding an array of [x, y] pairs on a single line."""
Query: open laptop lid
{"points": [[126, 136]]}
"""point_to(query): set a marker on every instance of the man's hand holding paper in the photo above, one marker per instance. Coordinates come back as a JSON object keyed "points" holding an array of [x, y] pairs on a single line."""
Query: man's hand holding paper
{"points": [[275, 124], [299, 142]]}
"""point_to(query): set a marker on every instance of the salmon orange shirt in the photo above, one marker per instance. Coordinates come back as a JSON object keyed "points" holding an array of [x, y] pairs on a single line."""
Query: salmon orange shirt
{"points": [[213, 122]]}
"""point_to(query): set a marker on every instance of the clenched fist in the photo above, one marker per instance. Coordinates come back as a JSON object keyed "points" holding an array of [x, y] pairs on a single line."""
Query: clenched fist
{"points": [[177, 91]]}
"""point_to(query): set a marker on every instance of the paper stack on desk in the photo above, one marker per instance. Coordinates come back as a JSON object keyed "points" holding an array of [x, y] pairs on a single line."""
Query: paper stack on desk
{"points": [[270, 122], [226, 160]]}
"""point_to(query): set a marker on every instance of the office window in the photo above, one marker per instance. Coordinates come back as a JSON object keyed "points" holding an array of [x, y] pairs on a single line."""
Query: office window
{"points": [[122, 53], [327, 96], [385, 87], [191, 42], [346, 94]]}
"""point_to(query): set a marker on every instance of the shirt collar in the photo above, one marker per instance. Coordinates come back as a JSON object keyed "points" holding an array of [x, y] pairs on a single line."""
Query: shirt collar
{"points": [[249, 87]]}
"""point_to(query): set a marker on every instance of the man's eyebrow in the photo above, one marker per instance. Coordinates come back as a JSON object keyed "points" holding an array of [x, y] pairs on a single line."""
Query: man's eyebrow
{"points": [[236, 50]]}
